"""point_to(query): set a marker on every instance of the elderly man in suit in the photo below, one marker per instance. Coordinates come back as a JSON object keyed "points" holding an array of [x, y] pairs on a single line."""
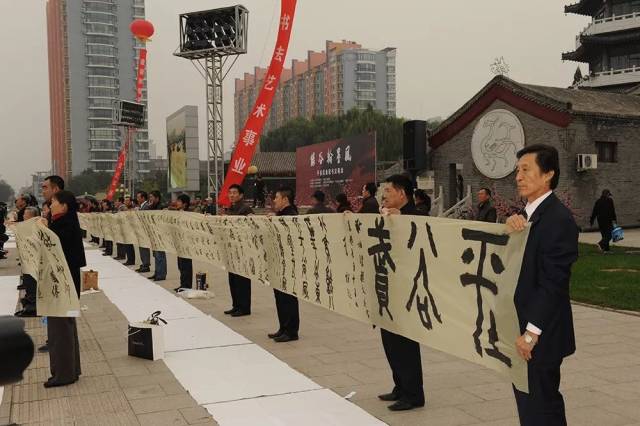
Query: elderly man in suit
{"points": [[542, 293]]}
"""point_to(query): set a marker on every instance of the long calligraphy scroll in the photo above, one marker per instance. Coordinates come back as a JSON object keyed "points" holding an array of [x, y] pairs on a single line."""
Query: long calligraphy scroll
{"points": [[448, 284], [41, 256]]}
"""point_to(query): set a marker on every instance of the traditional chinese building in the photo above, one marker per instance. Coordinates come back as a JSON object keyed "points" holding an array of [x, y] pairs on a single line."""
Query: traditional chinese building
{"points": [[610, 44], [596, 133], [331, 82]]}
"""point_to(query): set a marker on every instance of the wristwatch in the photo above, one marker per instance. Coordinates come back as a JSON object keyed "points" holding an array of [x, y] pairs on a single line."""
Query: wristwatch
{"points": [[528, 339]]}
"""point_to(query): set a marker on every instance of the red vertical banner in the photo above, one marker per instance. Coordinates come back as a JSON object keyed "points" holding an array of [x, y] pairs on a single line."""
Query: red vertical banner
{"points": [[122, 156], [250, 134]]}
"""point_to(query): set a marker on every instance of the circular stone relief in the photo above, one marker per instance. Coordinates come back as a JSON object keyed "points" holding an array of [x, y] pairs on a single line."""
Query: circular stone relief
{"points": [[496, 139]]}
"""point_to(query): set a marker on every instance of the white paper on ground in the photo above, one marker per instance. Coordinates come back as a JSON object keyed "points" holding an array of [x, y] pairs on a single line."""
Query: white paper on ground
{"points": [[196, 333], [9, 294], [234, 372], [313, 408]]}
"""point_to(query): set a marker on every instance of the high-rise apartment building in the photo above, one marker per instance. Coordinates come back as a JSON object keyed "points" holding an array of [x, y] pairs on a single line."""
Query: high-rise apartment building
{"points": [[92, 62], [331, 82]]}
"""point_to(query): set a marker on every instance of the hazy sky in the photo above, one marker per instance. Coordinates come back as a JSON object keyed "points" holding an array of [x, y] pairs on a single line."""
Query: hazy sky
{"points": [[444, 52]]}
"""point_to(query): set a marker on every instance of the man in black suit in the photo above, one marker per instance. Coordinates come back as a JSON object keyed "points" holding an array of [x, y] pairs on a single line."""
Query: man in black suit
{"points": [[369, 202], [286, 304], [403, 354], [486, 212], [542, 294], [239, 286], [319, 206]]}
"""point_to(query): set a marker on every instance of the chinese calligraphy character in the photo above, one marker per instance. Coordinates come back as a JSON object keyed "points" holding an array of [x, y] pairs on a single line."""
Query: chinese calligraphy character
{"points": [[239, 165], [260, 111], [347, 153], [269, 84], [279, 54], [338, 153], [329, 156], [481, 282], [423, 305], [312, 159], [249, 138], [381, 259], [320, 158], [284, 22]]}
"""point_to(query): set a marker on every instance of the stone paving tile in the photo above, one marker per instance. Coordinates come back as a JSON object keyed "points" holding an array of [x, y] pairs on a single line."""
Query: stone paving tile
{"points": [[111, 385]]}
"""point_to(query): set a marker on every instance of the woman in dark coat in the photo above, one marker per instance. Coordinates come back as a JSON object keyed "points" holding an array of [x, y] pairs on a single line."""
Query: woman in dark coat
{"points": [[343, 204], [64, 348]]}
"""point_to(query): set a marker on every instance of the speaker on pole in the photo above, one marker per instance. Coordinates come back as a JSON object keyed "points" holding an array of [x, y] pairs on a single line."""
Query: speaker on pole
{"points": [[414, 144]]}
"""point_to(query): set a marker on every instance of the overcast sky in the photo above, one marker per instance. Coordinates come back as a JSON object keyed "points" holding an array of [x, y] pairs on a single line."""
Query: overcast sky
{"points": [[445, 49]]}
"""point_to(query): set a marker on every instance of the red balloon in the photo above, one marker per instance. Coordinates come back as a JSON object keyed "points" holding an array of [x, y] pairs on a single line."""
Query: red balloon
{"points": [[141, 29]]}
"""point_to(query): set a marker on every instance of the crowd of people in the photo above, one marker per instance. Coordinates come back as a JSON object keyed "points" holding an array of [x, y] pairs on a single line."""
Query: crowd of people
{"points": [[541, 296]]}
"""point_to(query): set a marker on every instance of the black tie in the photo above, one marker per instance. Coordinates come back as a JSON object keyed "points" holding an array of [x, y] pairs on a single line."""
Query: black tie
{"points": [[524, 213]]}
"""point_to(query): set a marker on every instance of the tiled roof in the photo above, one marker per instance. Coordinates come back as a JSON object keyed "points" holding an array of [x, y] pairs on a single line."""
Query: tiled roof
{"points": [[554, 104], [275, 163]]}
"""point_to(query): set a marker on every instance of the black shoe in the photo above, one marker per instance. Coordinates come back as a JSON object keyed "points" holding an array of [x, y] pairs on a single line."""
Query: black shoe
{"points": [[389, 397], [276, 334], [21, 287], [26, 313], [128, 263], [404, 406], [283, 338], [230, 311], [44, 348], [143, 269], [52, 383], [119, 258], [240, 313], [158, 278], [107, 254]]}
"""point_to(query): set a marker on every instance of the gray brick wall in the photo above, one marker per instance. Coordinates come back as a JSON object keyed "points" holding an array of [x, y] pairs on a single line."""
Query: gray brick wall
{"points": [[581, 188]]}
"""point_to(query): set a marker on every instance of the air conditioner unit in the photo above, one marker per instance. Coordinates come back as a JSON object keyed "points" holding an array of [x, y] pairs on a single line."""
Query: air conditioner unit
{"points": [[587, 162]]}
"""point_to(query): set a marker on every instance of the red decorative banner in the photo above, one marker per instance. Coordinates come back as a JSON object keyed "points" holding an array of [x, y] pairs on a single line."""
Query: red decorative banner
{"points": [[141, 30], [250, 134]]}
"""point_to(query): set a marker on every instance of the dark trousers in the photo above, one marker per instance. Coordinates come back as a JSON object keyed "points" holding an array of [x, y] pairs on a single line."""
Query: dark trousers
{"points": [[130, 252], [185, 266], [108, 247], [288, 313], [120, 250], [64, 349], [31, 288], [240, 288], [62, 340], [145, 256], [543, 405], [605, 231], [160, 259], [404, 359]]}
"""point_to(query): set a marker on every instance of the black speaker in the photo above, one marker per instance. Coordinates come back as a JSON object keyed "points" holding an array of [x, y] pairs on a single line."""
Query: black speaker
{"points": [[414, 144]]}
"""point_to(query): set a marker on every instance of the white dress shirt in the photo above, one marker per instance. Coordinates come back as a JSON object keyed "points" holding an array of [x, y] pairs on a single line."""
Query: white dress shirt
{"points": [[530, 208]]}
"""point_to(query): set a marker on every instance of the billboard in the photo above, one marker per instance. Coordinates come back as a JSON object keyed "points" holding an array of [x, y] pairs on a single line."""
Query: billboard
{"points": [[182, 150], [341, 165]]}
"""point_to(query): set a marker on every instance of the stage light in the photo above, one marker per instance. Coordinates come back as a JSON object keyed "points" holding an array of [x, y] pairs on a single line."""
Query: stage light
{"points": [[219, 31]]}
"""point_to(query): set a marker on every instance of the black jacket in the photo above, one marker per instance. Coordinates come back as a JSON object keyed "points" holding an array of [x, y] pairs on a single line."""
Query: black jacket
{"points": [[423, 209], [605, 212], [409, 208], [67, 228], [319, 209], [542, 293], [290, 210], [370, 205], [486, 212], [239, 209]]}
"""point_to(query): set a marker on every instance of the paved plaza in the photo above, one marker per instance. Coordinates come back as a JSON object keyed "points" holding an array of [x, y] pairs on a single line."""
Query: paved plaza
{"points": [[601, 382]]}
